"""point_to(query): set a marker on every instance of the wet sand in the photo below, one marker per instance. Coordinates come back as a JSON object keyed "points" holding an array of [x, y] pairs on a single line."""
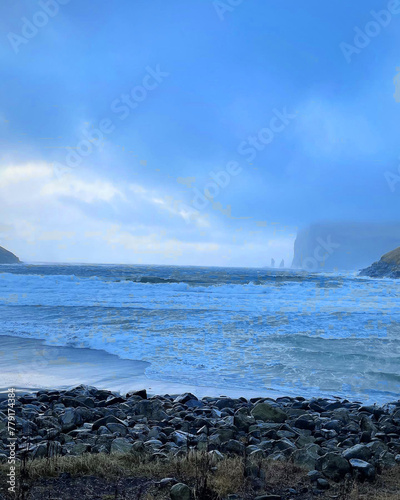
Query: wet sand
{"points": [[30, 364]]}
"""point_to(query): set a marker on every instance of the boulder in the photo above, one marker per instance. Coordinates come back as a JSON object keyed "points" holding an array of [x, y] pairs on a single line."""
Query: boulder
{"points": [[79, 448], [223, 403], [359, 451], [333, 466], [181, 438], [366, 469], [150, 409], [305, 422], [184, 398], [142, 394], [69, 420], [121, 445], [242, 420], [234, 446], [118, 428], [104, 421], [306, 458], [268, 413], [180, 491]]}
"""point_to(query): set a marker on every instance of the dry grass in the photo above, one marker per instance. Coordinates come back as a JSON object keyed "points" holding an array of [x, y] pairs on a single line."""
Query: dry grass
{"points": [[386, 487], [209, 480], [392, 257]]}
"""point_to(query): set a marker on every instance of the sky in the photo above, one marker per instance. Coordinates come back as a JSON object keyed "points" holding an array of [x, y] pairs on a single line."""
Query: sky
{"points": [[194, 132]]}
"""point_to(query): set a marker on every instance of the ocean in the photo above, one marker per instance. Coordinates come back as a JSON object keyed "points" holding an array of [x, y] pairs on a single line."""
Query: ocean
{"points": [[298, 333]]}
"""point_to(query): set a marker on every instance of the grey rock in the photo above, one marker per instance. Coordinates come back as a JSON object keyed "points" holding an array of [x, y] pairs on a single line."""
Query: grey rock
{"points": [[268, 413], [79, 448], [367, 425], [180, 491], [167, 481], [121, 445], [376, 447], [40, 450], [227, 403], [366, 469], [151, 409], [303, 441], [184, 398], [284, 445], [153, 443], [109, 419], [118, 428], [305, 422], [268, 497], [306, 458], [313, 475], [359, 451], [387, 459], [323, 484], [223, 434], [142, 394], [70, 419], [242, 419], [333, 466], [181, 438], [234, 446]]}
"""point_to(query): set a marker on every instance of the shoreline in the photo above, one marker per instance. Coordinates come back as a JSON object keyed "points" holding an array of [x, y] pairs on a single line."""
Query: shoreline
{"points": [[29, 365], [325, 442]]}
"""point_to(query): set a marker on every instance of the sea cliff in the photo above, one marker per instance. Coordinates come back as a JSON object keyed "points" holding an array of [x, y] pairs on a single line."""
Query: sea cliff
{"points": [[329, 246]]}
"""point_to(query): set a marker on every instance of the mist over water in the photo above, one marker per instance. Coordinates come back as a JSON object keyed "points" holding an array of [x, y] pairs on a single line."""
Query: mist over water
{"points": [[296, 332]]}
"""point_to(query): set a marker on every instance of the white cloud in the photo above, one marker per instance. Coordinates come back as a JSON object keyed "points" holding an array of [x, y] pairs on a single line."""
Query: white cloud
{"points": [[171, 205], [17, 174], [88, 192], [41, 221]]}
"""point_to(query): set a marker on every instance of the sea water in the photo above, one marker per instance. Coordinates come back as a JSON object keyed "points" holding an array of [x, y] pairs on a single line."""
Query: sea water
{"points": [[299, 333]]}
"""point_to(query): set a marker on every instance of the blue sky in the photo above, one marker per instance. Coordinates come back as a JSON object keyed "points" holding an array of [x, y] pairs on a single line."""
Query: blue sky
{"points": [[208, 80]]}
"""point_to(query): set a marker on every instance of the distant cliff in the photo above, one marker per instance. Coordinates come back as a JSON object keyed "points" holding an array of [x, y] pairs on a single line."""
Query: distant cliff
{"points": [[387, 267], [343, 246], [7, 257]]}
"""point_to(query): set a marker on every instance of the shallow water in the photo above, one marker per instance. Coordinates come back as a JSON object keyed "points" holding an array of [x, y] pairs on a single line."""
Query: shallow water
{"points": [[297, 333]]}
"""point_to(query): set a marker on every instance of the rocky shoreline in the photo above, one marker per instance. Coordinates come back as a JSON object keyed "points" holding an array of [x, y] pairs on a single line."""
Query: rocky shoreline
{"points": [[330, 439], [387, 267]]}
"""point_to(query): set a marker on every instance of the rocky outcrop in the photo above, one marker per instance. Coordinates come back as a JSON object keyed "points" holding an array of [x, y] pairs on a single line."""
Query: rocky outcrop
{"points": [[343, 246], [387, 267], [7, 257]]}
